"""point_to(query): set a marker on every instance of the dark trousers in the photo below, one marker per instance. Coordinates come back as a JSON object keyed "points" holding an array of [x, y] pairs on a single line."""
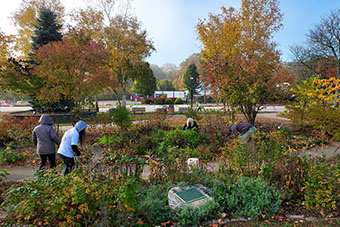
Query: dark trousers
{"points": [[51, 160], [69, 164]]}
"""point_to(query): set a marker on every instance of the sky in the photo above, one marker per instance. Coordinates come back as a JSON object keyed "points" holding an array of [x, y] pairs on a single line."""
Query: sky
{"points": [[170, 24]]}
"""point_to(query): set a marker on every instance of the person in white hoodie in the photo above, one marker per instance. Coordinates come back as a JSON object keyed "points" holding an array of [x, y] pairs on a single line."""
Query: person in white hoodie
{"points": [[69, 145]]}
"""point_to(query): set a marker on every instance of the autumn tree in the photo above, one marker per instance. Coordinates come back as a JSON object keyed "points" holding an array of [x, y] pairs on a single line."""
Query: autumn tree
{"points": [[19, 76], [5, 43], [74, 69], [146, 85], [25, 20], [239, 56], [123, 37], [191, 81], [129, 46]]}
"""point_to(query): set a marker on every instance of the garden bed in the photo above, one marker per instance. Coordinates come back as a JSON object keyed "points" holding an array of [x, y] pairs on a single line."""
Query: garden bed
{"points": [[273, 170]]}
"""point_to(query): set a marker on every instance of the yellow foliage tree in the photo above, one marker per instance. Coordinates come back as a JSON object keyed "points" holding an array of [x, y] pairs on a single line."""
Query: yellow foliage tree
{"points": [[5, 42], [25, 20], [239, 56]]}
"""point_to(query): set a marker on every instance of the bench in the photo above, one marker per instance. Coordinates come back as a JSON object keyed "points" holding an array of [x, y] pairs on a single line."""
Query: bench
{"points": [[183, 109], [137, 109]]}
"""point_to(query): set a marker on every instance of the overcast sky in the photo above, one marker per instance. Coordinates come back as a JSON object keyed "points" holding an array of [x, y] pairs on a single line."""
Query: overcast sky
{"points": [[171, 23]]}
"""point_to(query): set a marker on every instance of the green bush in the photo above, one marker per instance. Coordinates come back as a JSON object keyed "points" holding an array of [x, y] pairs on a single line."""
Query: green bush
{"points": [[191, 216], [183, 138], [112, 111], [169, 101], [179, 101], [152, 205], [322, 191], [252, 198], [158, 102], [121, 117]]}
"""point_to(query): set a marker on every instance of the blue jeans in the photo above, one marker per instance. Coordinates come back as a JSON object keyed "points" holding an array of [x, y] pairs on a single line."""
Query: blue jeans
{"points": [[69, 164], [246, 137]]}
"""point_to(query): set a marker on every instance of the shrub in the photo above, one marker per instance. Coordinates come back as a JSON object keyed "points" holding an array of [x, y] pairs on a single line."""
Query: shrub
{"points": [[158, 102], [190, 216], [20, 131], [179, 101], [248, 157], [147, 101], [322, 192], [121, 117], [9, 156], [152, 205], [112, 111], [183, 138], [325, 121], [169, 101], [80, 198], [252, 198]]}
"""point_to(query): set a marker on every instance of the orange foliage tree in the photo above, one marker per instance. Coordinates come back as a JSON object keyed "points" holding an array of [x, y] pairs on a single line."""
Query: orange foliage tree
{"points": [[239, 58], [73, 69]]}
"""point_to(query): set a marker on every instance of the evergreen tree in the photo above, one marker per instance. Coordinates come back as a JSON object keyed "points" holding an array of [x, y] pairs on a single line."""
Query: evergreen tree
{"points": [[147, 84], [191, 81], [47, 29]]}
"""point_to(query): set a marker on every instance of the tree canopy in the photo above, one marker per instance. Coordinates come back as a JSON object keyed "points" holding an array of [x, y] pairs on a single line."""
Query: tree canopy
{"points": [[25, 20], [321, 53], [47, 29], [238, 54], [165, 85], [191, 81], [146, 85]]}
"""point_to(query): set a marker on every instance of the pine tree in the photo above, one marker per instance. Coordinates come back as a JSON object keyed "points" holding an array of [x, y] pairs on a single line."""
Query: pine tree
{"points": [[47, 29]]}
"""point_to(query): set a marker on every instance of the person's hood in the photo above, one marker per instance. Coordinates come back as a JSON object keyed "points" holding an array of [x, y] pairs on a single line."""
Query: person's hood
{"points": [[80, 126], [232, 128], [45, 119]]}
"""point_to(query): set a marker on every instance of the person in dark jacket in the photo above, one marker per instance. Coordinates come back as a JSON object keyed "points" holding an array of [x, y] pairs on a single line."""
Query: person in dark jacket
{"points": [[244, 130], [190, 124], [44, 137], [69, 145]]}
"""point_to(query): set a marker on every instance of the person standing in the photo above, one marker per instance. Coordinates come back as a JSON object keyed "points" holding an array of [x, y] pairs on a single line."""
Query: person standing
{"points": [[200, 107], [69, 145], [44, 137]]}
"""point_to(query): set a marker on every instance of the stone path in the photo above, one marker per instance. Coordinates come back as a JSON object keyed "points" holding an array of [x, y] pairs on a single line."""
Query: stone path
{"points": [[327, 150], [25, 173]]}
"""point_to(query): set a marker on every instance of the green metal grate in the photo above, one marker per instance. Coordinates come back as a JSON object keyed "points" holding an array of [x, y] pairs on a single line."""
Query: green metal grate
{"points": [[190, 195]]}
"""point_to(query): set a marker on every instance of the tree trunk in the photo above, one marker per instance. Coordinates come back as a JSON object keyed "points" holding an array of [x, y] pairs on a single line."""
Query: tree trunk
{"points": [[124, 88], [96, 103], [116, 93]]}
